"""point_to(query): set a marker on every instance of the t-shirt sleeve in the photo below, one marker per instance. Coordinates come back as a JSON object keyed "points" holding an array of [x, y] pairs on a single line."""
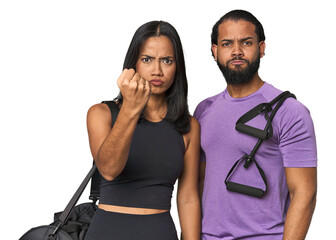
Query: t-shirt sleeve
{"points": [[197, 114], [297, 141], [199, 110]]}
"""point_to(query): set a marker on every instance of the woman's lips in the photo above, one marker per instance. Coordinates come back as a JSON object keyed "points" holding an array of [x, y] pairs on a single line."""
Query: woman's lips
{"points": [[156, 82]]}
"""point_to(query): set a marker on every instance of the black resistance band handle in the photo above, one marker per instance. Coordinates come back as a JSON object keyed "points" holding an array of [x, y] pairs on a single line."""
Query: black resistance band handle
{"points": [[248, 190], [242, 127], [252, 131], [265, 134], [244, 189], [261, 135]]}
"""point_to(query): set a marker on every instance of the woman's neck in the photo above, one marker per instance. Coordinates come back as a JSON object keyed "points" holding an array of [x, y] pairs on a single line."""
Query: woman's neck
{"points": [[156, 108]]}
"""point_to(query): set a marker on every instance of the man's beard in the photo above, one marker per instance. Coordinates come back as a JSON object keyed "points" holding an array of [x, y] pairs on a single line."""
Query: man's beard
{"points": [[239, 75]]}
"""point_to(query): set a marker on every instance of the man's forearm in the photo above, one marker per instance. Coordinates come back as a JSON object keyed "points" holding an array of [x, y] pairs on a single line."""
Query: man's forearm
{"points": [[298, 218]]}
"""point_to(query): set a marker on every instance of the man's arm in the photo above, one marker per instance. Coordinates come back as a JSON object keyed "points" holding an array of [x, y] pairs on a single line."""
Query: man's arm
{"points": [[302, 186]]}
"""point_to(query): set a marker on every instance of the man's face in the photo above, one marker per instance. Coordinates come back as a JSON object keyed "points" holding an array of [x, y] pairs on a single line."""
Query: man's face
{"points": [[238, 51]]}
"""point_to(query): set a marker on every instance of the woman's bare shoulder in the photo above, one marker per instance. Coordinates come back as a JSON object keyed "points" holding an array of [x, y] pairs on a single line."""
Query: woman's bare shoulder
{"points": [[99, 112]]}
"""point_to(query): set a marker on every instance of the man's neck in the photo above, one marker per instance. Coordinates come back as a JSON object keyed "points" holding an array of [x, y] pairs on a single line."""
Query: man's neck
{"points": [[243, 90]]}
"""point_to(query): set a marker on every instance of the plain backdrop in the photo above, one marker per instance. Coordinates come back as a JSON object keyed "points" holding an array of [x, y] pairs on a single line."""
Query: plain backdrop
{"points": [[57, 58]]}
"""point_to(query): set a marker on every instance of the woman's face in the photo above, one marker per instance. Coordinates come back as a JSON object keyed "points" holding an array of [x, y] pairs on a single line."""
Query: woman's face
{"points": [[157, 64]]}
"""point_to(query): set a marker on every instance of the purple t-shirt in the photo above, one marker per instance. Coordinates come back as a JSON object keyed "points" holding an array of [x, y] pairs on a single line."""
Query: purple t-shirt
{"points": [[229, 215]]}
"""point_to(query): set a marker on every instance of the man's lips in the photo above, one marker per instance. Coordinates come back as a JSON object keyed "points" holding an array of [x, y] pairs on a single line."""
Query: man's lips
{"points": [[237, 62]]}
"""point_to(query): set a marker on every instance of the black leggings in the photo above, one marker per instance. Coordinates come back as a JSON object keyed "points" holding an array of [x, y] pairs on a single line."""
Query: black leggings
{"points": [[120, 226]]}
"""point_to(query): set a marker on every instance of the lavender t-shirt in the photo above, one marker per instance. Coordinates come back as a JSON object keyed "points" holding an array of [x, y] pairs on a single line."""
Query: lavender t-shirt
{"points": [[228, 215]]}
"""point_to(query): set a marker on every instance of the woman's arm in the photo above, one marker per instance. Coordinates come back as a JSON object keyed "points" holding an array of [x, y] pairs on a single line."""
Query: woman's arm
{"points": [[188, 202], [201, 179], [110, 147]]}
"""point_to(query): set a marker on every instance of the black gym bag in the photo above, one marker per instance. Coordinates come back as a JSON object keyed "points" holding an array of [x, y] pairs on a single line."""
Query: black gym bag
{"points": [[74, 221]]}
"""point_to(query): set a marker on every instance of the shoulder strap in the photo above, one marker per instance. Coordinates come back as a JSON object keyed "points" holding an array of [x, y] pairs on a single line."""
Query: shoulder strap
{"points": [[95, 182], [113, 108]]}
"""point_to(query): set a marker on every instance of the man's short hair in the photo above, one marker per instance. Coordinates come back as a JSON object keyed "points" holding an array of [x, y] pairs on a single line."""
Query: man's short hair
{"points": [[236, 15]]}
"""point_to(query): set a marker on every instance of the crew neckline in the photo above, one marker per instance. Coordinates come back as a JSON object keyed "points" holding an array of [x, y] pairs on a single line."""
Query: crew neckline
{"points": [[146, 120], [228, 97]]}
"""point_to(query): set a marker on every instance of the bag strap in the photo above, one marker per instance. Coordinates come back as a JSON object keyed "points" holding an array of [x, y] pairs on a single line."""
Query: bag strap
{"points": [[70, 206], [95, 181], [261, 135], [94, 185], [65, 214]]}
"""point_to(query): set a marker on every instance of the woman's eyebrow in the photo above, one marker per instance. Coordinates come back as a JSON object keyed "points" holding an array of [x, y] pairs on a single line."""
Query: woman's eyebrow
{"points": [[167, 57], [147, 56]]}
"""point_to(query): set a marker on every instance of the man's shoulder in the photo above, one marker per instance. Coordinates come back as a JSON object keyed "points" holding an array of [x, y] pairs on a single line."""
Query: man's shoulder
{"points": [[290, 105], [270, 92], [291, 113], [205, 104]]}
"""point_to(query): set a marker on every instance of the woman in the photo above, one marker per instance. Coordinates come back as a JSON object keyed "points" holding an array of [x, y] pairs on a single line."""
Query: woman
{"points": [[153, 142]]}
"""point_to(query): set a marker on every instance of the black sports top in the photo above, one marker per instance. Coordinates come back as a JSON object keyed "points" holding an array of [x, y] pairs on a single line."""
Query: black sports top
{"points": [[154, 163]]}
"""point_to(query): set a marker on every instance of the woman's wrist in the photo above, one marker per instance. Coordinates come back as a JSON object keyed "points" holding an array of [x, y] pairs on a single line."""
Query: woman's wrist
{"points": [[130, 112]]}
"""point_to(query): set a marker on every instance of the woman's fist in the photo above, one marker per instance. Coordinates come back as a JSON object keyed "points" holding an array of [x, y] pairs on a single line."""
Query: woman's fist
{"points": [[135, 90]]}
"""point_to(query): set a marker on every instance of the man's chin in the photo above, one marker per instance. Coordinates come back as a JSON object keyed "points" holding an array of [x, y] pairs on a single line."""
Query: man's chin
{"points": [[237, 68]]}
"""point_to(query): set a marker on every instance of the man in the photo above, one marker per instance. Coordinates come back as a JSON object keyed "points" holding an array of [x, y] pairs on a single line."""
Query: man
{"points": [[288, 158]]}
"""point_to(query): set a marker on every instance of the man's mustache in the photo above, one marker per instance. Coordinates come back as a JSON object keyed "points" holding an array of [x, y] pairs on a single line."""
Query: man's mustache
{"points": [[237, 59]]}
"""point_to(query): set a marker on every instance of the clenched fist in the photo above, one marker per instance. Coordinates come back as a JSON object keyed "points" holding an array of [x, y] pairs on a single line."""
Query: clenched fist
{"points": [[135, 90]]}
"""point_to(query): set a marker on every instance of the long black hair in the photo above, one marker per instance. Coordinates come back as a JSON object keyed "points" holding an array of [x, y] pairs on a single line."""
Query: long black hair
{"points": [[177, 112]]}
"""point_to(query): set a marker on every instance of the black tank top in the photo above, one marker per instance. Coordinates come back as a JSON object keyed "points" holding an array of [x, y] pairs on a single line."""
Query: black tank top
{"points": [[155, 162]]}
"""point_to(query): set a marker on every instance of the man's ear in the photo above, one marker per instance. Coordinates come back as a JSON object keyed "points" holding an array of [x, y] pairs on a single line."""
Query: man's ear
{"points": [[214, 51], [262, 46]]}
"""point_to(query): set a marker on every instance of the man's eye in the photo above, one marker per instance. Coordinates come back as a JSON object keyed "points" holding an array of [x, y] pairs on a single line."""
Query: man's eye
{"points": [[247, 43], [226, 44]]}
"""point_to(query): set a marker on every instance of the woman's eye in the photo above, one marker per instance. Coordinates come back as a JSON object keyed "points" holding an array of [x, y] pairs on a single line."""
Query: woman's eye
{"points": [[146, 60], [167, 61]]}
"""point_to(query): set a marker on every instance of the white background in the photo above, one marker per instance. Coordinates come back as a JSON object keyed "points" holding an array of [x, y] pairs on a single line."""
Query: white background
{"points": [[57, 58]]}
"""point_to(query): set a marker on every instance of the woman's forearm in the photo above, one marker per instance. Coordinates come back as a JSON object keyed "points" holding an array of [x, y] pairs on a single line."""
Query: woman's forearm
{"points": [[190, 219], [113, 153]]}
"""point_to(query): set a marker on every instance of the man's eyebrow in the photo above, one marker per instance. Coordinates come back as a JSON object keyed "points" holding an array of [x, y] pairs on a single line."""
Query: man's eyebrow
{"points": [[226, 40], [248, 38], [241, 40]]}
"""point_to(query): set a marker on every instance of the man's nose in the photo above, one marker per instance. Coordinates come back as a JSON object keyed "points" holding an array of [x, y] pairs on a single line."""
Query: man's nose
{"points": [[237, 51]]}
